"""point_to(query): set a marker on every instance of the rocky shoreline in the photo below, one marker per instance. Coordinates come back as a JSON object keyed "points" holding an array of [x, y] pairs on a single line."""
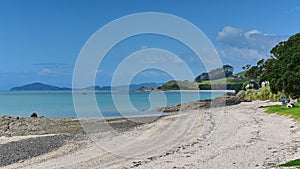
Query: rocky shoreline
{"points": [[20, 126], [226, 100]]}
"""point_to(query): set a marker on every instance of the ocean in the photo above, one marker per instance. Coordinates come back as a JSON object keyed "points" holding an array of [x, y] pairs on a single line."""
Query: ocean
{"points": [[60, 104]]}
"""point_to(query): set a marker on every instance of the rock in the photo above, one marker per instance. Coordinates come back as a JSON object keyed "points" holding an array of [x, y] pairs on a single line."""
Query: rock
{"points": [[241, 94], [6, 117], [13, 126], [170, 108], [34, 115]]}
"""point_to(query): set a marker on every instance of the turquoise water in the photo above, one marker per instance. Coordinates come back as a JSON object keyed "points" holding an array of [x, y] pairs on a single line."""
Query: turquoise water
{"points": [[61, 104]]}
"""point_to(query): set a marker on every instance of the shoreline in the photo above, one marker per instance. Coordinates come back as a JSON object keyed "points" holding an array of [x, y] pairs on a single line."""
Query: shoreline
{"points": [[245, 137], [216, 91], [10, 126], [80, 91]]}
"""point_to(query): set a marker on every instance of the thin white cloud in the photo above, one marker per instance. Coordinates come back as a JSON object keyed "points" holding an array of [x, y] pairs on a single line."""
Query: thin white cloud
{"points": [[155, 57], [144, 47], [250, 53], [153, 73], [228, 34], [99, 71], [52, 65], [239, 46], [293, 10], [151, 58], [238, 57], [46, 71], [253, 39]]}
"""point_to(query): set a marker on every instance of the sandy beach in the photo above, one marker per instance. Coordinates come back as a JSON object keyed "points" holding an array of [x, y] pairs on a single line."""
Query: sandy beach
{"points": [[239, 136]]}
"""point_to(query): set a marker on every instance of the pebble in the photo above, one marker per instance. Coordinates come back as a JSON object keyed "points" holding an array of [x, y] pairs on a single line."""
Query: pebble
{"points": [[18, 151]]}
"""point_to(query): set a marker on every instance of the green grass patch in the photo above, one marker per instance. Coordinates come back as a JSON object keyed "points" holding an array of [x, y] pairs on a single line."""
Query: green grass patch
{"points": [[227, 80], [293, 163], [179, 85], [241, 74], [283, 110], [229, 83]]}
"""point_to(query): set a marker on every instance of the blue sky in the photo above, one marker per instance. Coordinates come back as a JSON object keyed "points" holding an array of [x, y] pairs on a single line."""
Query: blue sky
{"points": [[41, 40]]}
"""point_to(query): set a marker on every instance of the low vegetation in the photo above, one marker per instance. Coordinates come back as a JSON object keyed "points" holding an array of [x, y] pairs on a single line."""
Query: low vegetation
{"points": [[263, 93], [294, 163], [234, 82]]}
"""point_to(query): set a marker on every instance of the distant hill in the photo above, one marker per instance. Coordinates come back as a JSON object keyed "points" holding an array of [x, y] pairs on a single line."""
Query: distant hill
{"points": [[97, 88], [234, 82], [133, 87], [46, 87], [39, 87], [177, 84]]}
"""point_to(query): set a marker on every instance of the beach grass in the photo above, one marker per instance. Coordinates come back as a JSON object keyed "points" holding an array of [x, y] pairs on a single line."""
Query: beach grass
{"points": [[293, 163], [283, 110]]}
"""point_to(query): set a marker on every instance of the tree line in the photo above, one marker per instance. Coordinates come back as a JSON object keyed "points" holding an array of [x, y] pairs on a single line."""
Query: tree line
{"points": [[282, 69]]}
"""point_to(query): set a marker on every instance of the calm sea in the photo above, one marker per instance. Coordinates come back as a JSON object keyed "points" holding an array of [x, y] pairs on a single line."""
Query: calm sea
{"points": [[61, 104]]}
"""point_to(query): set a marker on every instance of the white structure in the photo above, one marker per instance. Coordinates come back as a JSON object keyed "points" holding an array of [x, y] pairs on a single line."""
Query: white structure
{"points": [[265, 83]]}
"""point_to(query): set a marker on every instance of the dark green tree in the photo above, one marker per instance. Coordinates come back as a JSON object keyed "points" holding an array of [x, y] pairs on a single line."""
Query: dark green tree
{"points": [[202, 77], [252, 73], [282, 70], [256, 71], [246, 67], [228, 70]]}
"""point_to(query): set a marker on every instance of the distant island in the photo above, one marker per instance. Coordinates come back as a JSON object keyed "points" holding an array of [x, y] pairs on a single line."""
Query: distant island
{"points": [[39, 87], [47, 87]]}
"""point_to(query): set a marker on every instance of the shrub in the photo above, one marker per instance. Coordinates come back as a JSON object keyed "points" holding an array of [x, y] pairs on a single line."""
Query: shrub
{"points": [[263, 93]]}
